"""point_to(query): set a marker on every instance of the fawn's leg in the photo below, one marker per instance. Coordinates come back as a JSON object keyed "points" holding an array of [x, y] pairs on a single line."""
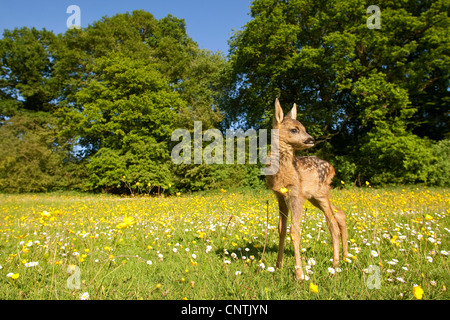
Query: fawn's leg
{"points": [[282, 226], [325, 205], [297, 213], [340, 218]]}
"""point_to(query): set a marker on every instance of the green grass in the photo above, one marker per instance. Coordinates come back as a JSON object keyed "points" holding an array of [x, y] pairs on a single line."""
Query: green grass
{"points": [[218, 239]]}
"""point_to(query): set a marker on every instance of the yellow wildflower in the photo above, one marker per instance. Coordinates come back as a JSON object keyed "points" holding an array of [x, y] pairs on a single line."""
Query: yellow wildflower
{"points": [[284, 190], [417, 292], [45, 214], [314, 288]]}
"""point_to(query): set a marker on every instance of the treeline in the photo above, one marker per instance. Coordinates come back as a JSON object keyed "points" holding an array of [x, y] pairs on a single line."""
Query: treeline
{"points": [[94, 109]]}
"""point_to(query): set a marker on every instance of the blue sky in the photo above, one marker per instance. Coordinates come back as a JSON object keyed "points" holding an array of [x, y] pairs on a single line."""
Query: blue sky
{"points": [[209, 22]]}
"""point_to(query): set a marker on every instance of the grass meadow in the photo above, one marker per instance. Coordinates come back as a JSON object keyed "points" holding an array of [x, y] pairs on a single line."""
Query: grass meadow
{"points": [[210, 245]]}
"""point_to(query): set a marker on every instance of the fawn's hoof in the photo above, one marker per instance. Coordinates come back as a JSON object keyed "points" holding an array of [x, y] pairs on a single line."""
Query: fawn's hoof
{"points": [[299, 276], [335, 263]]}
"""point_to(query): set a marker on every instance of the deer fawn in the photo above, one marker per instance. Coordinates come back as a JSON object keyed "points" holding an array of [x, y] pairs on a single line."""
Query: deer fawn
{"points": [[303, 178]]}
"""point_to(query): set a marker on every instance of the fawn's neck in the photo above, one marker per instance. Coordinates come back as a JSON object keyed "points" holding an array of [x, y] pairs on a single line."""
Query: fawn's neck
{"points": [[286, 154]]}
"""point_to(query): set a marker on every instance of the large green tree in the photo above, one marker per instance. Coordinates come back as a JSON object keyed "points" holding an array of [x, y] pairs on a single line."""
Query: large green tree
{"points": [[112, 94], [26, 71], [132, 81], [372, 97], [32, 156]]}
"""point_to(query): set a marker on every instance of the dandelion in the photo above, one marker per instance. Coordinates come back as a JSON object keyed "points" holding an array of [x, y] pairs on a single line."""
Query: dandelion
{"points": [[417, 292], [314, 288], [84, 296]]}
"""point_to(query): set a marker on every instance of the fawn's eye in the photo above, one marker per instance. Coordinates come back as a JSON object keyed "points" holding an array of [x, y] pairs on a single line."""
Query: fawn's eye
{"points": [[295, 130]]}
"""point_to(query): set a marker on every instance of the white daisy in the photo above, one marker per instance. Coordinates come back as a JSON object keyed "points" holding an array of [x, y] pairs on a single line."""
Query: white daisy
{"points": [[84, 296]]}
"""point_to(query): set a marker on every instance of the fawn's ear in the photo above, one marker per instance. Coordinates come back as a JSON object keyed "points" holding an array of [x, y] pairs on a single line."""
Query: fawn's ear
{"points": [[278, 115], [293, 113]]}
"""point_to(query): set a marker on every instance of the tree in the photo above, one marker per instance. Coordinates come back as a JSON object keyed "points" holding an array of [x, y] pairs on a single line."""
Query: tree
{"points": [[26, 67], [30, 156], [112, 94], [132, 81], [128, 114], [360, 91]]}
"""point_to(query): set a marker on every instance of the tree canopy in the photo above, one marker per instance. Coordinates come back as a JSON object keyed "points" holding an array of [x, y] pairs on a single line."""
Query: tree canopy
{"points": [[375, 98], [94, 109]]}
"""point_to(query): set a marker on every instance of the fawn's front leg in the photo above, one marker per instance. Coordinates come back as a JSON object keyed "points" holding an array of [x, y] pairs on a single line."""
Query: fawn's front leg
{"points": [[296, 221]]}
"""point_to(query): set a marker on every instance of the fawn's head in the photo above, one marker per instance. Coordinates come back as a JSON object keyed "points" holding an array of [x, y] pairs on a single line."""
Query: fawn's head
{"points": [[291, 131]]}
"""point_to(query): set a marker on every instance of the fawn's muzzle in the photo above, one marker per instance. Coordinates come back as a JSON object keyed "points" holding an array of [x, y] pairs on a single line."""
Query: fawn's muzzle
{"points": [[309, 141]]}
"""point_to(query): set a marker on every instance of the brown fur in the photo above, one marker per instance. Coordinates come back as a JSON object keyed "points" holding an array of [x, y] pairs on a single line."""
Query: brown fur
{"points": [[306, 178]]}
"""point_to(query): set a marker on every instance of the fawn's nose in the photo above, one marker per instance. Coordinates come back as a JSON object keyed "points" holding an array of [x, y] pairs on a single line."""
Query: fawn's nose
{"points": [[310, 141]]}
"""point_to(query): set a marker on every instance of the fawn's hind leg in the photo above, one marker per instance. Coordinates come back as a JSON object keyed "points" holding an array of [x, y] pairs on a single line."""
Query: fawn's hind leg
{"points": [[325, 205], [340, 218]]}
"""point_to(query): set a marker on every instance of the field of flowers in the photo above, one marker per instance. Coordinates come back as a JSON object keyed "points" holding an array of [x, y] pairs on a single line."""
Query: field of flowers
{"points": [[209, 246]]}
